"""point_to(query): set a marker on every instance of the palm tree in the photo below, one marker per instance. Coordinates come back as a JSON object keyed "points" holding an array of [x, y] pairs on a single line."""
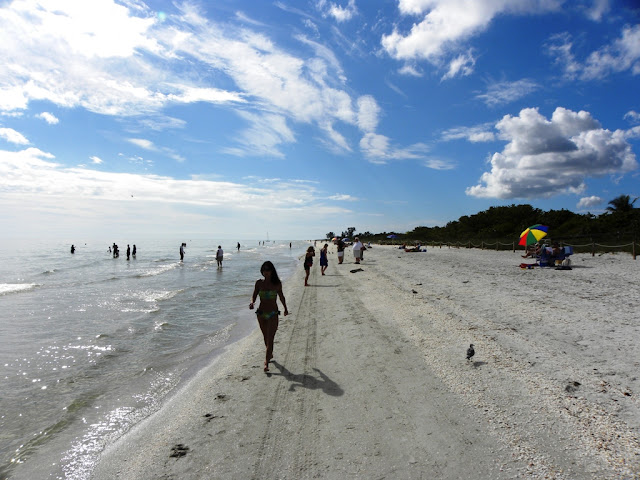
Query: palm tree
{"points": [[621, 204]]}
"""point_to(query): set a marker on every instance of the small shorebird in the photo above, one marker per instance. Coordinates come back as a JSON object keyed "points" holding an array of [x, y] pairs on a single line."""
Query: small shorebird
{"points": [[470, 352]]}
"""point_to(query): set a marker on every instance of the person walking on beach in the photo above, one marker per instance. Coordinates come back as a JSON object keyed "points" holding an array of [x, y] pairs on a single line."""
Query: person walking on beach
{"points": [[238, 246], [324, 262], [308, 262], [133, 252], [340, 246], [219, 255], [357, 249], [128, 251], [182, 251], [268, 289], [73, 249]]}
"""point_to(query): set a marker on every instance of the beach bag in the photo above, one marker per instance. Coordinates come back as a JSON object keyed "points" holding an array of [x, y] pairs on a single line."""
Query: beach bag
{"points": [[566, 262]]}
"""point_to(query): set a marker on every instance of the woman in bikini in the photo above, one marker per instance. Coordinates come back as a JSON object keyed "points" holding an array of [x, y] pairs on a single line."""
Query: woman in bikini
{"points": [[269, 289]]}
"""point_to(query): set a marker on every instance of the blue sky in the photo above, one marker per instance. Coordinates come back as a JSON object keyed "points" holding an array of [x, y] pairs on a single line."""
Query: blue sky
{"points": [[233, 118]]}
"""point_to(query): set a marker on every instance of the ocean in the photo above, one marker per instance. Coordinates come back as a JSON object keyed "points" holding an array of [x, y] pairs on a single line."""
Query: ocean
{"points": [[90, 345]]}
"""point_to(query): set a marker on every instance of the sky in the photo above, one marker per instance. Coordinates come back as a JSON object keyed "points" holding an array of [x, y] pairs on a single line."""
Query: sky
{"points": [[296, 118]]}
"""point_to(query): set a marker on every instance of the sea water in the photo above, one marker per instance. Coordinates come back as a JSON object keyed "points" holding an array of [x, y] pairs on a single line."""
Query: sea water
{"points": [[90, 344]]}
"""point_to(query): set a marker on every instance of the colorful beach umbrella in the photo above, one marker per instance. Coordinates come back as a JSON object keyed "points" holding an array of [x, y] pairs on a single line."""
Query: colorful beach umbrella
{"points": [[533, 234]]}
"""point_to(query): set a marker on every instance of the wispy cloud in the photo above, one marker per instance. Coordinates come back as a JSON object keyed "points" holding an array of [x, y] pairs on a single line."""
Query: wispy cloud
{"points": [[502, 93], [475, 134], [621, 55]]}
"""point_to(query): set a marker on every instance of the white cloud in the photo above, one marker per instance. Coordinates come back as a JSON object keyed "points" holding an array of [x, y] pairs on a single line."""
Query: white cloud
{"points": [[368, 112], [122, 59], [100, 55], [445, 24], [143, 143], [263, 136], [501, 93], [587, 202], [547, 157], [410, 70], [50, 118], [476, 134], [340, 13], [95, 160], [13, 136], [598, 10], [632, 116], [343, 198], [622, 54], [31, 175], [379, 150], [461, 65]]}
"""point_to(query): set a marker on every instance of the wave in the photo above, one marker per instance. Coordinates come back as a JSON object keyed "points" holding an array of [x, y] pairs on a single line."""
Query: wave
{"points": [[159, 270], [6, 288]]}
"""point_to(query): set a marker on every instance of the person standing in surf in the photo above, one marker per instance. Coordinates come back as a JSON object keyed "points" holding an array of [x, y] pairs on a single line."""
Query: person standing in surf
{"points": [[219, 256], [269, 289]]}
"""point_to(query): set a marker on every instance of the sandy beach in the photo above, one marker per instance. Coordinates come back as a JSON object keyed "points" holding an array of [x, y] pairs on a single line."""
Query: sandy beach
{"points": [[370, 378]]}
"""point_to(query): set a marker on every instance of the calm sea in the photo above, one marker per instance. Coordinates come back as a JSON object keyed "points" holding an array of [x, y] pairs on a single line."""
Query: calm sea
{"points": [[91, 344]]}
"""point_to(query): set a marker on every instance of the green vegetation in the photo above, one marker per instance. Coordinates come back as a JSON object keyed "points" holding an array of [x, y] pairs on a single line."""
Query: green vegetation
{"points": [[620, 224]]}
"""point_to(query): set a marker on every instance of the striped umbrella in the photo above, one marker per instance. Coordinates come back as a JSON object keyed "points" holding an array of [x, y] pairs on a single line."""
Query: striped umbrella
{"points": [[533, 234]]}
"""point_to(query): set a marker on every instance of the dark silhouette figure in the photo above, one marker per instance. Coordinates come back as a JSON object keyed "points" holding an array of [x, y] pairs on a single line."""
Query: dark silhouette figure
{"points": [[133, 252], [128, 252], [73, 249], [470, 352]]}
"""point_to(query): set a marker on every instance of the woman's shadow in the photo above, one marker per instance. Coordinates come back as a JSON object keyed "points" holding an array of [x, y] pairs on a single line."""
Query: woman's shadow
{"points": [[324, 383]]}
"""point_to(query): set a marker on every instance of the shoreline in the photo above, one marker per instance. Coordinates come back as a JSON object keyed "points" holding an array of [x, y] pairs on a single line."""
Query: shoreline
{"points": [[370, 378]]}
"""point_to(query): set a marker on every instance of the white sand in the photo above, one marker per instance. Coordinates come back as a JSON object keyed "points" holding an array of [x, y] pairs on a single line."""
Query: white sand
{"points": [[370, 378]]}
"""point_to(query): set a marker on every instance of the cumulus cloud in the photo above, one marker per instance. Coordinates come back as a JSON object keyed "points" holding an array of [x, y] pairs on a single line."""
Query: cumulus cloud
{"points": [[588, 202], [50, 118], [622, 54], [13, 136], [547, 157], [95, 160], [501, 93], [443, 25]]}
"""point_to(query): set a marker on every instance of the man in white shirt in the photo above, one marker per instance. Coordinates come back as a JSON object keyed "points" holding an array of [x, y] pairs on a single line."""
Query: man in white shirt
{"points": [[357, 249]]}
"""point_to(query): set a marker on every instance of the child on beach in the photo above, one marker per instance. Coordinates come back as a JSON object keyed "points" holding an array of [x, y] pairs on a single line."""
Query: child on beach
{"points": [[269, 289]]}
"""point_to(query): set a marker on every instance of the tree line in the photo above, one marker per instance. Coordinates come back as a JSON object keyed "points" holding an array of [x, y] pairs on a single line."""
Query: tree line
{"points": [[619, 223]]}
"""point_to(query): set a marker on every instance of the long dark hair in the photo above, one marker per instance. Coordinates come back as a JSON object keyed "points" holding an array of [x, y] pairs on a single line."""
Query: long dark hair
{"points": [[274, 275]]}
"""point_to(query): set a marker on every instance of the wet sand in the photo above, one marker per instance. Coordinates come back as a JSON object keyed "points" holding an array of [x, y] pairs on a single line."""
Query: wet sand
{"points": [[370, 378]]}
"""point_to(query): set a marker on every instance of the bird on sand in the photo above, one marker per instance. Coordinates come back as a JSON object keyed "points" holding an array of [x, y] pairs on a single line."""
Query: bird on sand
{"points": [[470, 352]]}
